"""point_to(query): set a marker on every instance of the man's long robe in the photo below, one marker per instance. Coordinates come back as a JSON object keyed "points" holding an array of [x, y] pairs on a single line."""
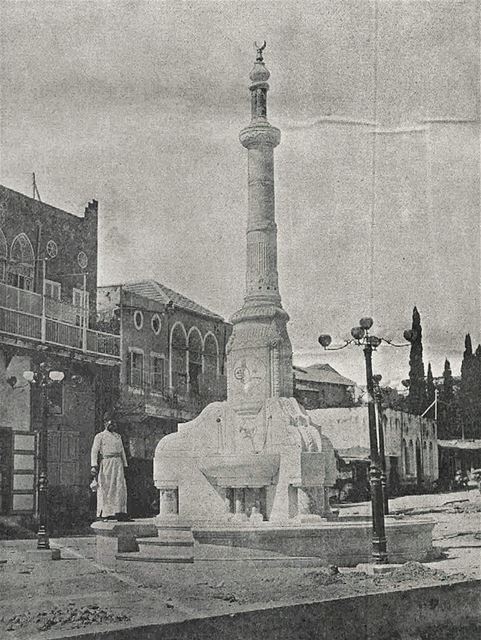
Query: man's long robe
{"points": [[111, 490]]}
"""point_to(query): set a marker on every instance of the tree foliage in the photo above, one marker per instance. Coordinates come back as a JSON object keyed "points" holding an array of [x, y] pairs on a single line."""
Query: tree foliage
{"points": [[430, 391], [448, 424], [417, 400], [470, 390]]}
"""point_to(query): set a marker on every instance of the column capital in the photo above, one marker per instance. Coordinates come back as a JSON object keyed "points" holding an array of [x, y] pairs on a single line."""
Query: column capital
{"points": [[259, 135]]}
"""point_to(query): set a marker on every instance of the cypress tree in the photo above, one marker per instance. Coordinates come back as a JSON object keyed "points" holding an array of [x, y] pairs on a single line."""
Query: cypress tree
{"points": [[476, 428], [430, 391], [417, 400], [447, 418], [467, 393]]}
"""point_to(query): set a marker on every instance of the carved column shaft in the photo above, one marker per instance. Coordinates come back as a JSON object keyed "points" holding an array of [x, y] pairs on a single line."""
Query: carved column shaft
{"points": [[255, 369]]}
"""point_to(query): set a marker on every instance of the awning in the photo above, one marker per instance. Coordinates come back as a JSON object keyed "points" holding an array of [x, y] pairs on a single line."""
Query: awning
{"points": [[245, 471], [354, 454], [466, 445]]}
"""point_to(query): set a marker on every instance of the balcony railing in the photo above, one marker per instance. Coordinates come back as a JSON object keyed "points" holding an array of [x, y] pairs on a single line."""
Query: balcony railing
{"points": [[23, 315], [159, 402]]}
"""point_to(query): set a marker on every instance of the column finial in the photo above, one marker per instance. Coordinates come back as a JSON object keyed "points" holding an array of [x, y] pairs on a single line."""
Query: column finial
{"points": [[260, 51]]}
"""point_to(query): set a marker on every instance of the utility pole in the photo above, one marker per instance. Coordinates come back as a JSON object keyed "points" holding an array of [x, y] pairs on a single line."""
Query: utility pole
{"points": [[36, 193]]}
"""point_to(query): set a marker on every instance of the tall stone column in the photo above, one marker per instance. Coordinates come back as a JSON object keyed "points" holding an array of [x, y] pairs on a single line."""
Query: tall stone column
{"points": [[259, 363]]}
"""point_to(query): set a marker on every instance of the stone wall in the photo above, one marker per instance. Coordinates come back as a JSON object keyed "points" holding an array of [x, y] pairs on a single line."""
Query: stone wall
{"points": [[393, 615], [348, 428], [72, 234]]}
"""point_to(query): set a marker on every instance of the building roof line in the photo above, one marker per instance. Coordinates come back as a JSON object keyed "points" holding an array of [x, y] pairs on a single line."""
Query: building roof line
{"points": [[43, 204], [155, 291]]}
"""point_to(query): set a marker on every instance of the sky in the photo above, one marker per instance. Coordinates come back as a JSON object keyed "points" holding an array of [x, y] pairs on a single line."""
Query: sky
{"points": [[139, 105]]}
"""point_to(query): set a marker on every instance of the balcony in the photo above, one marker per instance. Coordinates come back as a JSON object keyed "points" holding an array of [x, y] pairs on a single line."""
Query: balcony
{"points": [[23, 316], [147, 401]]}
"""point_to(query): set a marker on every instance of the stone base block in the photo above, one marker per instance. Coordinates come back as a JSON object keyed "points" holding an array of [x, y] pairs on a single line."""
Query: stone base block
{"points": [[120, 537], [172, 521], [309, 518], [174, 542], [376, 569], [40, 555], [168, 550], [239, 518]]}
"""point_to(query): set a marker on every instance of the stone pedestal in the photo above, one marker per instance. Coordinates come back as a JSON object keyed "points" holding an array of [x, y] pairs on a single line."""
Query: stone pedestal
{"points": [[42, 555], [168, 502]]}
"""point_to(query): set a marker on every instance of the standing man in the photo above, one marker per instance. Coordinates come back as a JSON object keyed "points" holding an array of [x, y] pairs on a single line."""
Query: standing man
{"points": [[111, 489]]}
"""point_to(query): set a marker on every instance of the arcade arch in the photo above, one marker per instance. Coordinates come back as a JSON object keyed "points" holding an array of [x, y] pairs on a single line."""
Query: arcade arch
{"points": [[178, 357], [194, 359], [3, 256]]}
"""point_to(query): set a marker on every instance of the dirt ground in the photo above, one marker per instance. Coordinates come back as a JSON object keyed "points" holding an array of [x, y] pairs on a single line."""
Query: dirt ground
{"points": [[37, 600]]}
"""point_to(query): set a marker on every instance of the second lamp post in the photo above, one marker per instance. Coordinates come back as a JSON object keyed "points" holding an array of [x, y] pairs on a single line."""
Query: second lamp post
{"points": [[369, 343]]}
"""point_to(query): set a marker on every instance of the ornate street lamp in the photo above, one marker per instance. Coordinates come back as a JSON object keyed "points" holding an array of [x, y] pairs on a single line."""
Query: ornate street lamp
{"points": [[42, 378], [369, 343]]}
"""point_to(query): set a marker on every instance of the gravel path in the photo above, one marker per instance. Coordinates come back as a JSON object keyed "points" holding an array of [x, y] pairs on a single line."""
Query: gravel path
{"points": [[38, 599]]}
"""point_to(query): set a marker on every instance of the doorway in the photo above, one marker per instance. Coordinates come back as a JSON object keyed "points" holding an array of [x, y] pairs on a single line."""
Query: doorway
{"points": [[419, 465], [6, 464]]}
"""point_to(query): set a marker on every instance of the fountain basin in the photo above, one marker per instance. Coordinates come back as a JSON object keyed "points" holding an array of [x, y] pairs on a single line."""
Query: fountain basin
{"points": [[344, 542]]}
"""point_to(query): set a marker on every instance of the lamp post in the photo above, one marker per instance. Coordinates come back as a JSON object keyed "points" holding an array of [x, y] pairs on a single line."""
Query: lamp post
{"points": [[369, 343], [382, 454], [42, 378]]}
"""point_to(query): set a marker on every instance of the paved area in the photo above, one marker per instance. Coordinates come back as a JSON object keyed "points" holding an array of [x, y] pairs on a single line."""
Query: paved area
{"points": [[77, 592], [457, 532]]}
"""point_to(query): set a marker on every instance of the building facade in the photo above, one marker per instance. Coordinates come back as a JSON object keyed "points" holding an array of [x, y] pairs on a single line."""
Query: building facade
{"points": [[319, 386], [48, 288], [458, 456], [173, 354], [410, 444]]}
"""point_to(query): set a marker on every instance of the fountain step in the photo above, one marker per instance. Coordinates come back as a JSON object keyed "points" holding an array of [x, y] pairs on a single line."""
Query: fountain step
{"points": [[142, 557], [167, 542], [160, 551]]}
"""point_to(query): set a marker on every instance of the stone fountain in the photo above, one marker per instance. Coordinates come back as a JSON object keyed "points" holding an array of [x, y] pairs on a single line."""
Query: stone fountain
{"points": [[255, 470]]}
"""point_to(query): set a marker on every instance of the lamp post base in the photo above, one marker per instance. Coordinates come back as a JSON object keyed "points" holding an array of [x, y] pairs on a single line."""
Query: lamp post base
{"points": [[385, 499], [39, 555], [376, 569], [379, 550]]}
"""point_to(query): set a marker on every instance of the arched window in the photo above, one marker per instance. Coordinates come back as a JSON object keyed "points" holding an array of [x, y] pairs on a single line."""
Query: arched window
{"points": [[412, 460], [195, 359], [426, 462], [3, 256], [211, 358], [418, 469], [178, 358], [406, 458], [20, 270], [431, 459]]}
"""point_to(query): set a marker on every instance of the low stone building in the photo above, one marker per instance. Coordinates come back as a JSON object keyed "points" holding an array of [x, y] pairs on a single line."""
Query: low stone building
{"points": [[458, 456], [410, 444], [319, 386], [173, 352]]}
